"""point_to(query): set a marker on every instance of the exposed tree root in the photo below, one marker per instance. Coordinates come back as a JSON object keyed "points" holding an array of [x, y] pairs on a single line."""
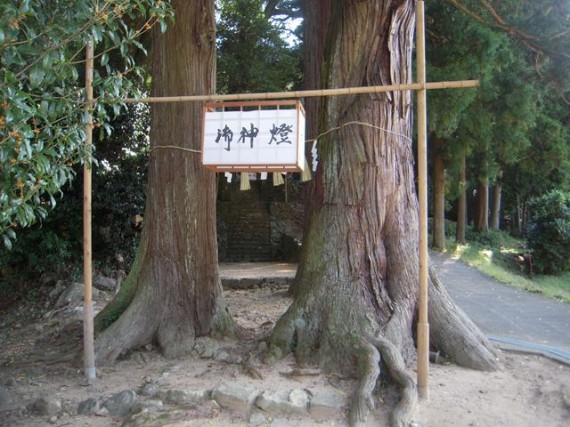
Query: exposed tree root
{"points": [[454, 334], [124, 334], [402, 412], [152, 319], [362, 401]]}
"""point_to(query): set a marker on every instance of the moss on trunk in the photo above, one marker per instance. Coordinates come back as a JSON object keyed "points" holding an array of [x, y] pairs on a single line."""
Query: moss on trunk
{"points": [[124, 297]]}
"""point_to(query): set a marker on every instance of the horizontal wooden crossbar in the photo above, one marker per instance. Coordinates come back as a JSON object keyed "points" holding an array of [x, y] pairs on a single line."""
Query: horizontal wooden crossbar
{"points": [[306, 93]]}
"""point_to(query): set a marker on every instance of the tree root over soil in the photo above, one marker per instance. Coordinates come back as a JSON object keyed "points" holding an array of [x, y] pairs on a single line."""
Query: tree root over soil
{"points": [[352, 339]]}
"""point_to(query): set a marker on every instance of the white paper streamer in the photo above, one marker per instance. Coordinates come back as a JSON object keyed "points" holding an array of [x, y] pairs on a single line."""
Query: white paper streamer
{"points": [[314, 155]]}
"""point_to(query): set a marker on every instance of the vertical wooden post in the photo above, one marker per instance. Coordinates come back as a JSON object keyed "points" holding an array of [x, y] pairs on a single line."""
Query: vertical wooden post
{"points": [[88, 345], [423, 325]]}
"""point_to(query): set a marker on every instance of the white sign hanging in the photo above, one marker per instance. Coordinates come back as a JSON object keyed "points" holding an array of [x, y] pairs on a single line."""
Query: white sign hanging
{"points": [[254, 137]]}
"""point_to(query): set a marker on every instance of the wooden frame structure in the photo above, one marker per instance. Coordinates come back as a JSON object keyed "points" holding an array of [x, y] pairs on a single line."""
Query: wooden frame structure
{"points": [[421, 86]]}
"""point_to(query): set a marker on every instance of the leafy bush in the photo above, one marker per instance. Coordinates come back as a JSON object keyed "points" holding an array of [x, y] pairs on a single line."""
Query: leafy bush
{"points": [[549, 232], [47, 247], [42, 119], [54, 247], [493, 239]]}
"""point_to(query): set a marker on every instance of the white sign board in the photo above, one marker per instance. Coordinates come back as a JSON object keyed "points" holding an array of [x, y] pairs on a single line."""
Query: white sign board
{"points": [[269, 138]]}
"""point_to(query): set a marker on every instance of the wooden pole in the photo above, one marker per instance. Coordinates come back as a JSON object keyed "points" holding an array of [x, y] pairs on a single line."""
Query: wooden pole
{"points": [[88, 345], [305, 93], [423, 325]]}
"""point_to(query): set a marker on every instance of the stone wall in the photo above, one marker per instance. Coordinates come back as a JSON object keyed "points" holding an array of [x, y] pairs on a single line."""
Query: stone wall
{"points": [[258, 225]]}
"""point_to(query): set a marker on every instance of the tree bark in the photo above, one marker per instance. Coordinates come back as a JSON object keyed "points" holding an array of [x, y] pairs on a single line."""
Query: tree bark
{"points": [[174, 289], [438, 177], [495, 221], [482, 222], [462, 203], [356, 292]]}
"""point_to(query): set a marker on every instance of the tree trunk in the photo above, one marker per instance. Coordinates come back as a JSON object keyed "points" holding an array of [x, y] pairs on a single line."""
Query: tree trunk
{"points": [[482, 223], [518, 216], [438, 176], [173, 293], [356, 290], [462, 203], [495, 222]]}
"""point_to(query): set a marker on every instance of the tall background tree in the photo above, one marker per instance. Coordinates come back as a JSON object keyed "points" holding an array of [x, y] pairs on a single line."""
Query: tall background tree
{"points": [[253, 53], [356, 289], [519, 52]]}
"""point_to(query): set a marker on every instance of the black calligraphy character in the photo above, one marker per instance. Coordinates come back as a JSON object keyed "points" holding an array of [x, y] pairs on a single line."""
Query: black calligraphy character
{"points": [[227, 134], [252, 133], [283, 132]]}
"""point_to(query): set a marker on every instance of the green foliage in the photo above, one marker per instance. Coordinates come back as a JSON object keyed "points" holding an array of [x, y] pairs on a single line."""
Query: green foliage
{"points": [[119, 184], [42, 101], [119, 179], [493, 239], [516, 123], [549, 232], [504, 260], [252, 54], [46, 248]]}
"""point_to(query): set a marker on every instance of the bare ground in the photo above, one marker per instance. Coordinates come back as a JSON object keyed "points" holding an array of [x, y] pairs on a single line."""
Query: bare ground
{"points": [[527, 391]]}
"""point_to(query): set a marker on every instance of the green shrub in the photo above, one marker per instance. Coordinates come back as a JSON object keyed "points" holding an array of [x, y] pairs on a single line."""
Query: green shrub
{"points": [[48, 247], [494, 239], [549, 232]]}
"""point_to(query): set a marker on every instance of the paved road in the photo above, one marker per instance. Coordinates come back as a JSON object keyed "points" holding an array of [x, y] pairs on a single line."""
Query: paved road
{"points": [[510, 317]]}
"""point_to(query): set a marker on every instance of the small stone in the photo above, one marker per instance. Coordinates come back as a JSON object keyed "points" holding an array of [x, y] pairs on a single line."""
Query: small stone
{"points": [[104, 283], [299, 400], [120, 404], [140, 358], [53, 419], [206, 347], [163, 380], [102, 412], [47, 406], [257, 419], [153, 404], [89, 406], [326, 406], [73, 293], [147, 406], [177, 397], [222, 356], [149, 390], [57, 290], [282, 403], [235, 397]]}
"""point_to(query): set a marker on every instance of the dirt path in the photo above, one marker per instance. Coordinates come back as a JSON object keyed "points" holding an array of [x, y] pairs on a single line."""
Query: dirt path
{"points": [[528, 391]]}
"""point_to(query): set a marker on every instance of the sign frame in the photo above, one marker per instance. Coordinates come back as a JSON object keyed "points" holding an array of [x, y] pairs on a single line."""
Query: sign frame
{"points": [[295, 165]]}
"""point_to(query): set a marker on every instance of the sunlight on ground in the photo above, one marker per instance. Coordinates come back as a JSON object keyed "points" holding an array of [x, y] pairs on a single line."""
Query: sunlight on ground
{"points": [[486, 255], [488, 261], [459, 251]]}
